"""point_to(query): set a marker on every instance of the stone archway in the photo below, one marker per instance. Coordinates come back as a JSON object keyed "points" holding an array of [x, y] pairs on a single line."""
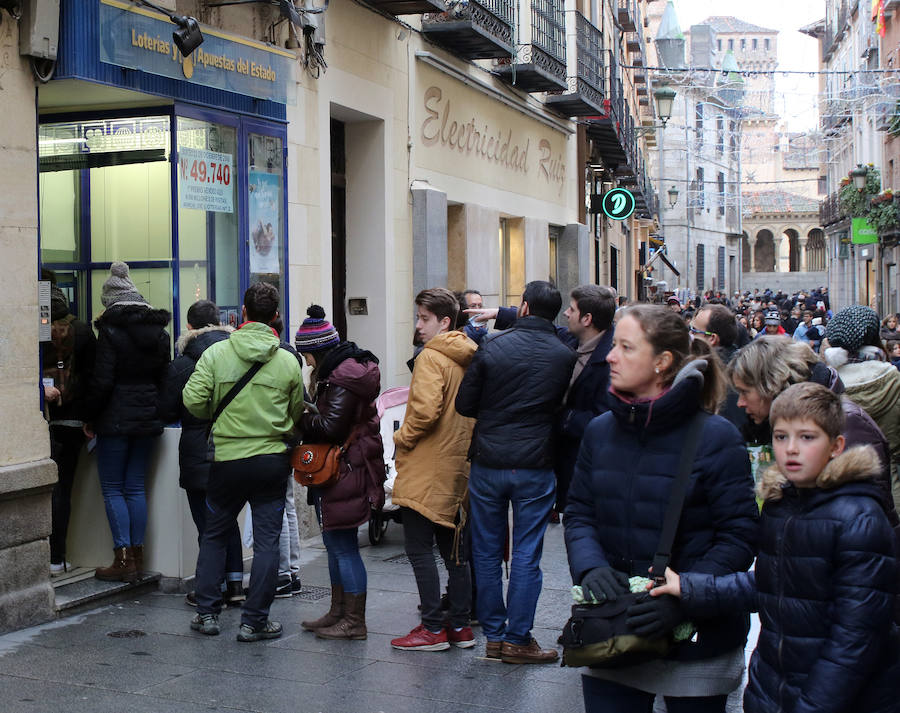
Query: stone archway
{"points": [[765, 251], [815, 250], [793, 249]]}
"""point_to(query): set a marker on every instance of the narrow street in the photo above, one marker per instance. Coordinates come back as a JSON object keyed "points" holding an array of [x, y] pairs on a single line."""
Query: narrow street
{"points": [[140, 656]]}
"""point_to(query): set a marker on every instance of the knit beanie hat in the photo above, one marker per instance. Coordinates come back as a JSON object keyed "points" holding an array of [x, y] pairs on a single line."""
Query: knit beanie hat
{"points": [[853, 328], [316, 333], [59, 305], [119, 287], [773, 317]]}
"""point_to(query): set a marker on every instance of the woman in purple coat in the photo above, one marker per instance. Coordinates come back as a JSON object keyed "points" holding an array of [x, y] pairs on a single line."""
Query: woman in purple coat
{"points": [[345, 382]]}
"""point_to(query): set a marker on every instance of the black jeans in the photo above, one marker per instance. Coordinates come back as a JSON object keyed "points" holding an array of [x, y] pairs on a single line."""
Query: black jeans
{"points": [[234, 555], [65, 446], [420, 534], [602, 696], [260, 481]]}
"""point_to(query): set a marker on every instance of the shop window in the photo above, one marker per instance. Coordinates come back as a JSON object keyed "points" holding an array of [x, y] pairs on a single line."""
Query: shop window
{"points": [[701, 267], [60, 197], [207, 217], [512, 251], [265, 215]]}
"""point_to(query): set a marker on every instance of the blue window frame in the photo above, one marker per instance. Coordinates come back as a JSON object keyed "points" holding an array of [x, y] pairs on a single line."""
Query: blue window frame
{"points": [[86, 264]]}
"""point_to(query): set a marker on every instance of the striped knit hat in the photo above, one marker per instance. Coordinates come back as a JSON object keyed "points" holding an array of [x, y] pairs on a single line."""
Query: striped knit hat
{"points": [[316, 333]]}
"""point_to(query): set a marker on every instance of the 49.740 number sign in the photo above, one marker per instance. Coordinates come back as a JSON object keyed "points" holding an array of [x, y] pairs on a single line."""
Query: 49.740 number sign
{"points": [[618, 203], [204, 180]]}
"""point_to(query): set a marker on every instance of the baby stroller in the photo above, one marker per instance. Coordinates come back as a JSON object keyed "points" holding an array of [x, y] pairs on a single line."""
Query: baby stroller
{"points": [[391, 407]]}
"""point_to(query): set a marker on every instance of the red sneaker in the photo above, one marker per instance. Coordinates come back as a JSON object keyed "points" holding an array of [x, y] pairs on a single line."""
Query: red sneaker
{"points": [[420, 639], [464, 638]]}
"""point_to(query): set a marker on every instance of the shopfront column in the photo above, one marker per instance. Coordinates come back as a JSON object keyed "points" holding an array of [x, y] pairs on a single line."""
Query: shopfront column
{"points": [[429, 229]]}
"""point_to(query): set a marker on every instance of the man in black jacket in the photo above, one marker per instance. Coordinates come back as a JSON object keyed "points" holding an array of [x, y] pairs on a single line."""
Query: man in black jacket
{"points": [[514, 388], [203, 330], [716, 325], [590, 322]]}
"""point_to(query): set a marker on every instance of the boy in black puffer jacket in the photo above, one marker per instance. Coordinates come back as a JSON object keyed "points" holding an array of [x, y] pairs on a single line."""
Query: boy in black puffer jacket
{"points": [[825, 581]]}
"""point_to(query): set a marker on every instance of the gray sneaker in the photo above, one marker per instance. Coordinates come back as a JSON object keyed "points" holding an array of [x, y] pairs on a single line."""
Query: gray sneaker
{"points": [[206, 624], [269, 630]]}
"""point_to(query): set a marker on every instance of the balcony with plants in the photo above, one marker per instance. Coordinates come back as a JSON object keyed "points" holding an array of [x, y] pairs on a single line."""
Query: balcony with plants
{"points": [[880, 208]]}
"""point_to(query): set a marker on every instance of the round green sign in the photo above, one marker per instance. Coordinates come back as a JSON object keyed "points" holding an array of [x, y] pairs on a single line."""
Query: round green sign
{"points": [[618, 203]]}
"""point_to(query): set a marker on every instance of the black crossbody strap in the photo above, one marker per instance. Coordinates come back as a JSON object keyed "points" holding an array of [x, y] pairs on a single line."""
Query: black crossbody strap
{"points": [[676, 499], [235, 390]]}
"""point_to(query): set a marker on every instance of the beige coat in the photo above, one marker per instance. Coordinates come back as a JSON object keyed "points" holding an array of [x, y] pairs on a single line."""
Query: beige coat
{"points": [[432, 443]]}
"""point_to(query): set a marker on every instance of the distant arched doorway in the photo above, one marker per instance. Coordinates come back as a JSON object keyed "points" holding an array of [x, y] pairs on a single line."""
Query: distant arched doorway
{"points": [[745, 253], [765, 251], [815, 250], [793, 250]]}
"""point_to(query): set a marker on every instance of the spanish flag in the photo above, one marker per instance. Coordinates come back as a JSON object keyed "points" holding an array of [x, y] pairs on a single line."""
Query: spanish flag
{"points": [[878, 17]]}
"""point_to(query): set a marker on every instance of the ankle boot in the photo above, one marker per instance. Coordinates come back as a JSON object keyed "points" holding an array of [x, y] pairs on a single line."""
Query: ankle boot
{"points": [[353, 624], [137, 556], [334, 614], [121, 569]]}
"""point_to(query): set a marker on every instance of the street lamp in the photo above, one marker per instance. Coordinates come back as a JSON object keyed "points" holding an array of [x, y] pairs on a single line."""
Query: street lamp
{"points": [[673, 196], [665, 100], [859, 175]]}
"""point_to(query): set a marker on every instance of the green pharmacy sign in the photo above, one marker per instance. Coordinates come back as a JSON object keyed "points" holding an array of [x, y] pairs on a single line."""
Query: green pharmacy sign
{"points": [[861, 233]]}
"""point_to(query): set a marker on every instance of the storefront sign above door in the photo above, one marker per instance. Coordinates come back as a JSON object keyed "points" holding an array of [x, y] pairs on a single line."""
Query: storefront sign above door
{"points": [[861, 233], [141, 39], [618, 203]]}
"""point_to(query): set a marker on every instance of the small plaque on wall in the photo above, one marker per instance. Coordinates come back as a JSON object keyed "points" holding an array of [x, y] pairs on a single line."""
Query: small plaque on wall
{"points": [[358, 306]]}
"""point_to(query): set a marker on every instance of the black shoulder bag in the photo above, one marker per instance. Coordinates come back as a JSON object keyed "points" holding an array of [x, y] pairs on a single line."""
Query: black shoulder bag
{"points": [[232, 392], [598, 635]]}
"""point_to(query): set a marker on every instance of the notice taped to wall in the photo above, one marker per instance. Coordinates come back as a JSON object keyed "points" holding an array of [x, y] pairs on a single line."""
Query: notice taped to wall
{"points": [[205, 180]]}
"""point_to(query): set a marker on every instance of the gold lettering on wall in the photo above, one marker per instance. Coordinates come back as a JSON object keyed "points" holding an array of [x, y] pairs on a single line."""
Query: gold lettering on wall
{"points": [[475, 138]]}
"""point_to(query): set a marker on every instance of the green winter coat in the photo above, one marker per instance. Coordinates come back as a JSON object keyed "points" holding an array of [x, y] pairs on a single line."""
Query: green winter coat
{"points": [[261, 417]]}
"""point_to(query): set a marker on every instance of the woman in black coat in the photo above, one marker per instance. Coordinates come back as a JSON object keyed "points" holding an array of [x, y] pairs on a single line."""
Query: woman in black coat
{"points": [[617, 501], [133, 351]]}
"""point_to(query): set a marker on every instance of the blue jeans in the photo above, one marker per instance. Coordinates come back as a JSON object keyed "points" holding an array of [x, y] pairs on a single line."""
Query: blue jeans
{"points": [[345, 566], [260, 481], [122, 467], [531, 492], [607, 697]]}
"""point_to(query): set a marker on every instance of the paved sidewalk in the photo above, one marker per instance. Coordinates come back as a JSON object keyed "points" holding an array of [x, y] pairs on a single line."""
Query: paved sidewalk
{"points": [[142, 657]]}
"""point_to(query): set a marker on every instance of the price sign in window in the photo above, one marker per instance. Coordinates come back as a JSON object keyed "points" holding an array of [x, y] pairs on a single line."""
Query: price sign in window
{"points": [[205, 180]]}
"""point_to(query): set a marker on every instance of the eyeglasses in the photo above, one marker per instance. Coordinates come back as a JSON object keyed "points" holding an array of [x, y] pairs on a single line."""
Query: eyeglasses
{"points": [[694, 330]]}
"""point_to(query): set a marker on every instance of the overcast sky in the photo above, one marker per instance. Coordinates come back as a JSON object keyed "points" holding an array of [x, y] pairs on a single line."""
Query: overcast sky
{"points": [[795, 96]]}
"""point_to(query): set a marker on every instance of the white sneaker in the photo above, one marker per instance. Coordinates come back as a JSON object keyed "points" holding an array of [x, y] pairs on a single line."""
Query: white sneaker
{"points": [[61, 568]]}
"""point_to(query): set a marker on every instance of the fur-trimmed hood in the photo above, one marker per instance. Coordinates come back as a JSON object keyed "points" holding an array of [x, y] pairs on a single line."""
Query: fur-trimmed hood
{"points": [[853, 465], [190, 335]]}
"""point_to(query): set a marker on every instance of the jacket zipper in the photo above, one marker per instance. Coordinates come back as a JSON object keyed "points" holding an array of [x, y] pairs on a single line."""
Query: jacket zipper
{"points": [[781, 542]]}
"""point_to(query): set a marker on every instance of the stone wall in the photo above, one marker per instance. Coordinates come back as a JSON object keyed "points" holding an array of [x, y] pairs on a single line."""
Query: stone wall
{"points": [[26, 473], [784, 281]]}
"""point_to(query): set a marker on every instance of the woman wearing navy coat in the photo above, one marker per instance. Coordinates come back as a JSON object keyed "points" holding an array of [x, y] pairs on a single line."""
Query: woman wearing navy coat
{"points": [[617, 502]]}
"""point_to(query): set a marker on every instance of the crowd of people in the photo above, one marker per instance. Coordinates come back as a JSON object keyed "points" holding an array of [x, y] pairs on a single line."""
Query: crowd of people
{"points": [[510, 428]]}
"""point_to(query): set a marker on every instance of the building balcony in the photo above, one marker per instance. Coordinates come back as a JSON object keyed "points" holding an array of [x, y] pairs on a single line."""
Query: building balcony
{"points": [[481, 29], [830, 211], [540, 62], [612, 132], [627, 15], [835, 113], [408, 7], [633, 42], [584, 84]]}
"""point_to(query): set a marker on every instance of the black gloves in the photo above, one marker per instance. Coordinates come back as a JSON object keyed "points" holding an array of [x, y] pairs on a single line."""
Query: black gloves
{"points": [[655, 616], [605, 583]]}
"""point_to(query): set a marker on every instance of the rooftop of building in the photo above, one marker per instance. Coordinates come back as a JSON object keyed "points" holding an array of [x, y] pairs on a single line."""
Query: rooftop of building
{"points": [[728, 25], [777, 201]]}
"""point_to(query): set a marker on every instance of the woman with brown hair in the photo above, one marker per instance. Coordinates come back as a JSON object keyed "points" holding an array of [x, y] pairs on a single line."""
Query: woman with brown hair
{"points": [[617, 501]]}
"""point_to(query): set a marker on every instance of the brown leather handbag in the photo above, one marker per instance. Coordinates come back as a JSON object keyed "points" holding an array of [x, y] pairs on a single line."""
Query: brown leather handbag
{"points": [[318, 465]]}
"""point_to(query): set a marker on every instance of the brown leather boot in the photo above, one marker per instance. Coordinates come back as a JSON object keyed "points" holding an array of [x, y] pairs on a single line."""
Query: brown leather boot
{"points": [[334, 614], [121, 569], [137, 556], [353, 623], [527, 653]]}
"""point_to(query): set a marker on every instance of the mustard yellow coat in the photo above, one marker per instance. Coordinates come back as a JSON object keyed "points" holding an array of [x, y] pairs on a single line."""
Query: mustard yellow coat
{"points": [[432, 443]]}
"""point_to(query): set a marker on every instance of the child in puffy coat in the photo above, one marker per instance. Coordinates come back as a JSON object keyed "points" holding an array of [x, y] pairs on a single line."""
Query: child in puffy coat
{"points": [[825, 580]]}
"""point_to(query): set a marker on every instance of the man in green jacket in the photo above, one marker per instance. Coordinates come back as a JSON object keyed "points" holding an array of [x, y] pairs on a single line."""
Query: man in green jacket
{"points": [[251, 457]]}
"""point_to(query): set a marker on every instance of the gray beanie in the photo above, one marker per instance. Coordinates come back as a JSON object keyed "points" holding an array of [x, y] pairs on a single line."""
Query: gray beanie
{"points": [[853, 328], [119, 287]]}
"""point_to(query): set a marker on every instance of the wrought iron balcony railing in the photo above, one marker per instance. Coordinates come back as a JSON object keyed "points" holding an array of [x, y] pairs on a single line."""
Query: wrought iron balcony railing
{"points": [[474, 29], [540, 61], [585, 81]]}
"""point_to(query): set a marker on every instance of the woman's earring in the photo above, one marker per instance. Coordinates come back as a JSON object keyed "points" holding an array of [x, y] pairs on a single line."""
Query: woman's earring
{"points": [[656, 370]]}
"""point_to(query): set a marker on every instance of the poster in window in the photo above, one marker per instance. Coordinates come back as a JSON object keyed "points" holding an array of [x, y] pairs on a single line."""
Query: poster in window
{"points": [[265, 204]]}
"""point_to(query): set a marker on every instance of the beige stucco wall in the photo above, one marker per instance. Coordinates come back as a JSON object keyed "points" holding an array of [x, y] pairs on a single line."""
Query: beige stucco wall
{"points": [[25, 473]]}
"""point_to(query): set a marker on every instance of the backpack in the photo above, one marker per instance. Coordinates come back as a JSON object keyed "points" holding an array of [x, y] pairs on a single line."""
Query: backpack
{"points": [[60, 356]]}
